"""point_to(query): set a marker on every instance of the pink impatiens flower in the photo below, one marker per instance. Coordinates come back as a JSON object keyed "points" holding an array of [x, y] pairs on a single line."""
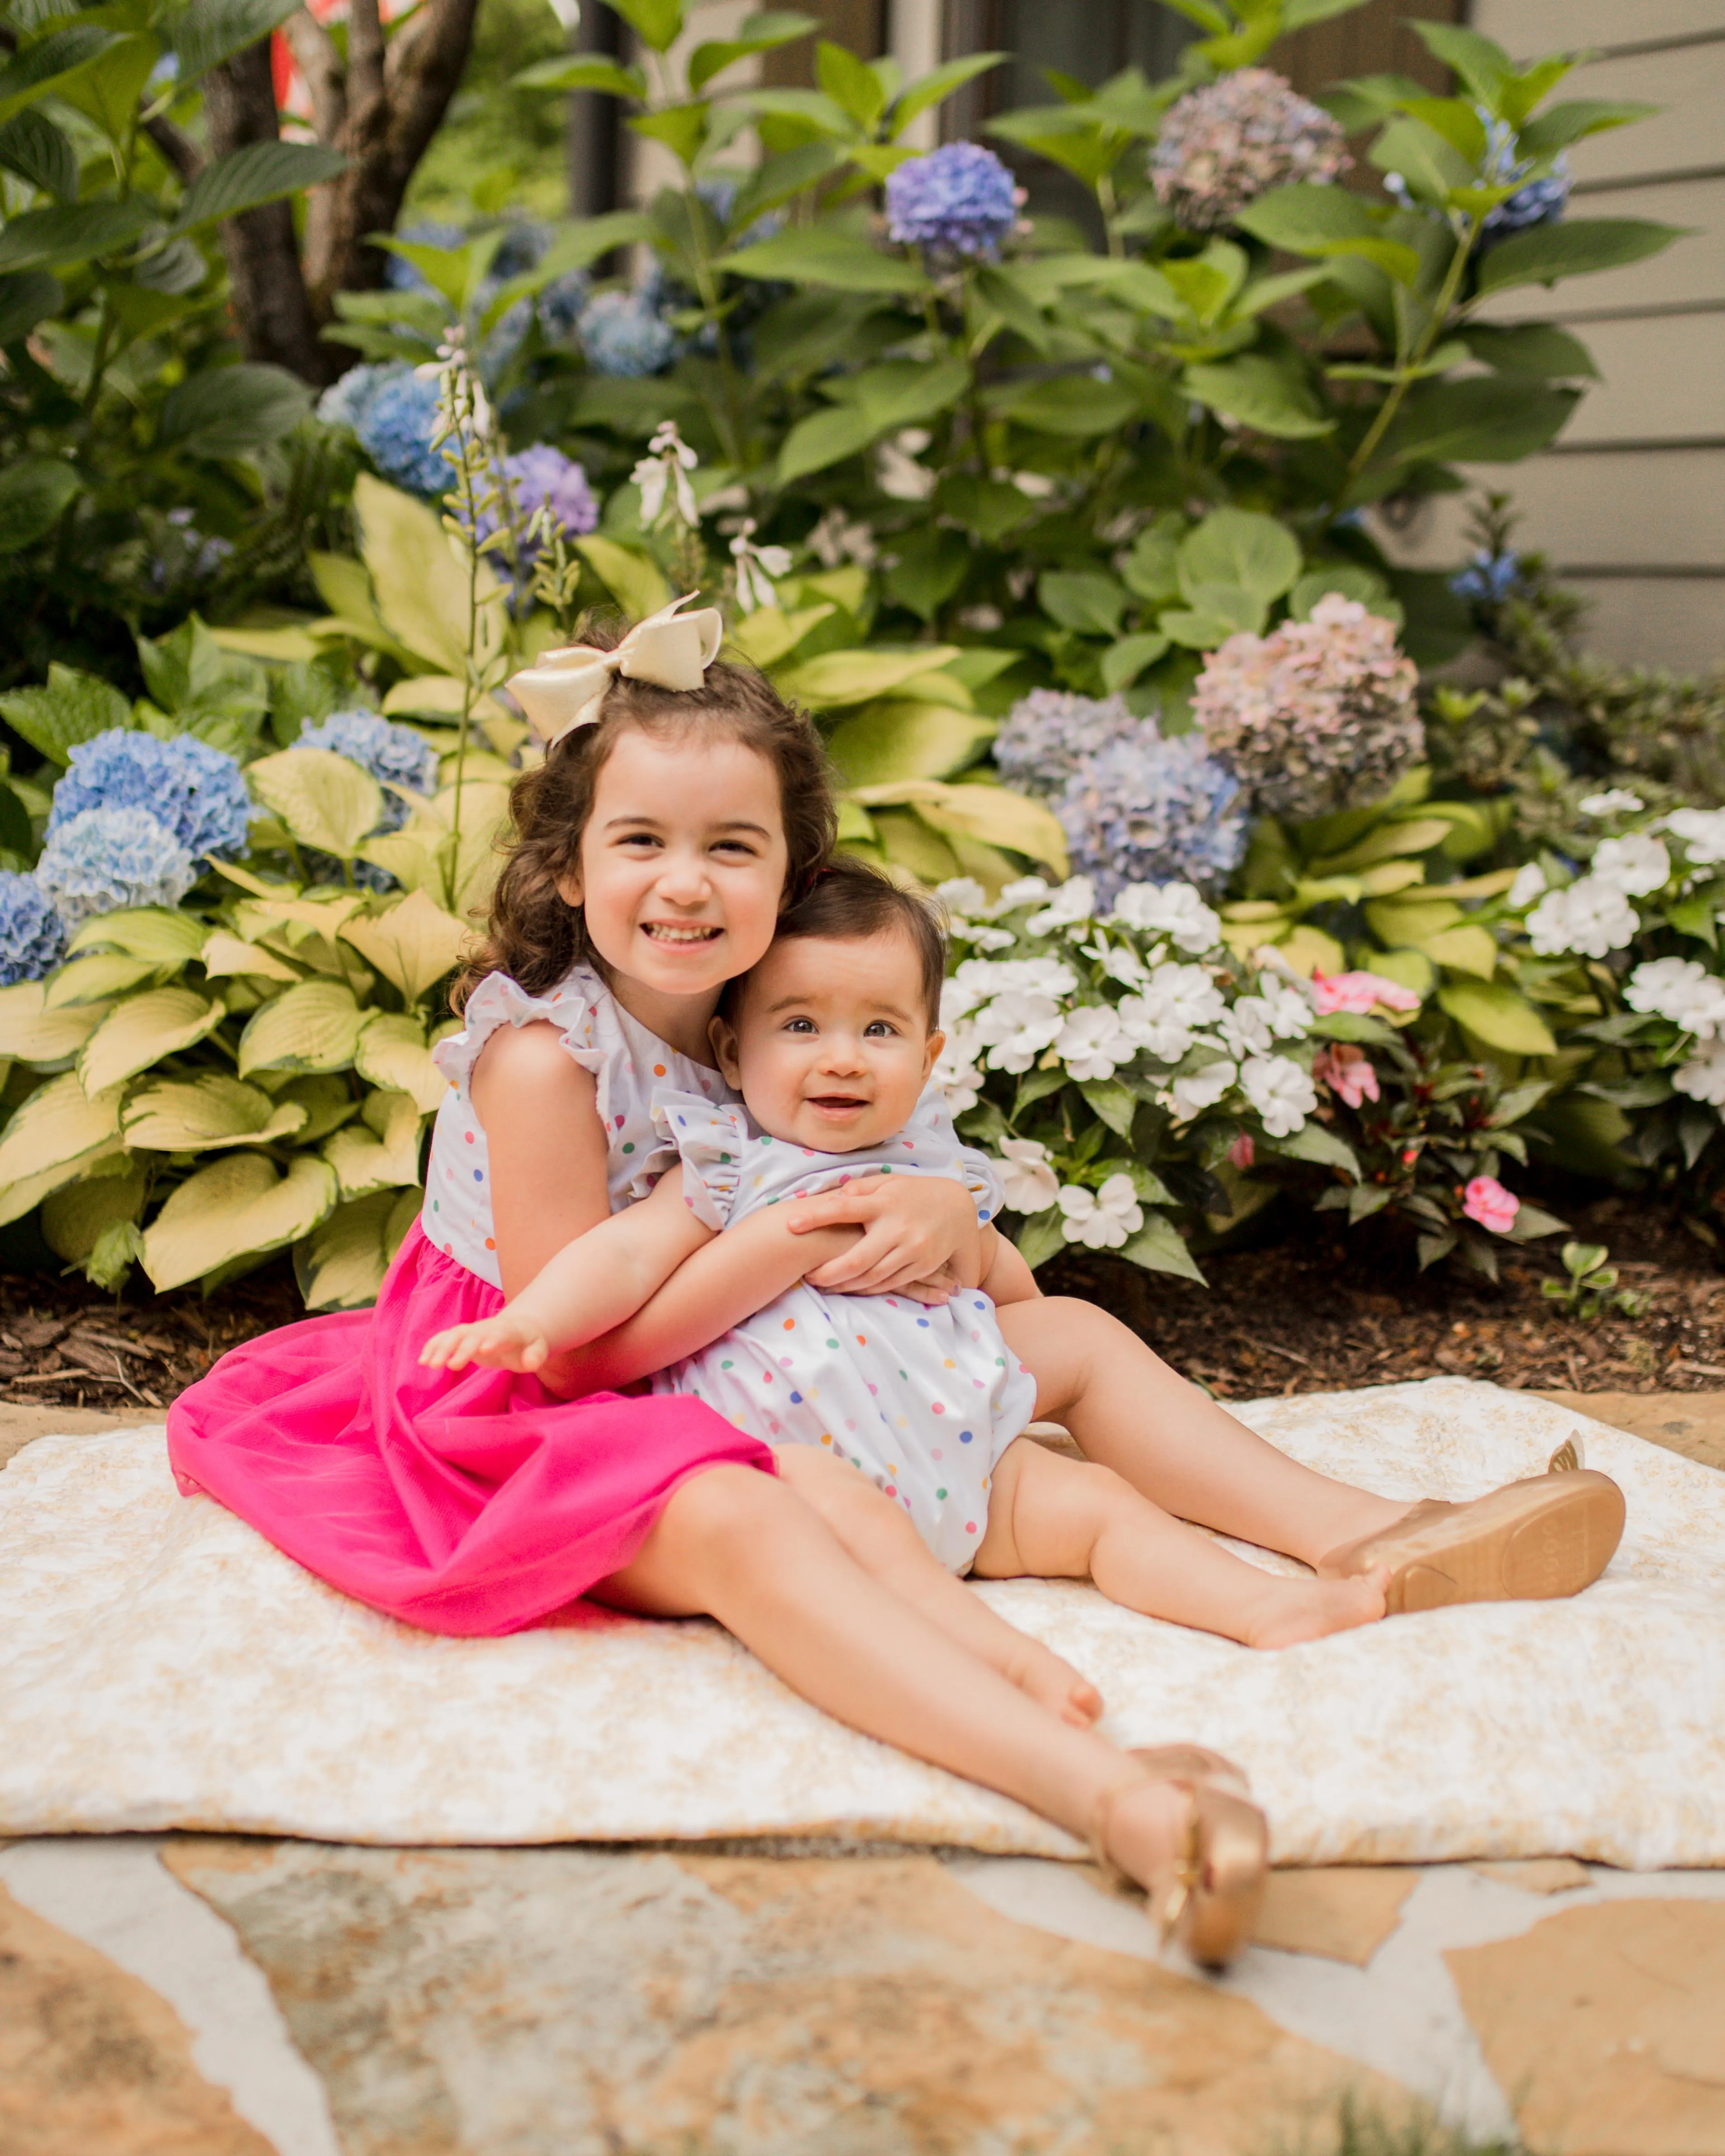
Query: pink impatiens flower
{"points": [[1357, 993], [1347, 1071], [1486, 1201], [1243, 1152]]}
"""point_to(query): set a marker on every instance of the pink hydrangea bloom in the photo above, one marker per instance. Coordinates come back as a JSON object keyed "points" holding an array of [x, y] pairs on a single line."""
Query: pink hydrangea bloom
{"points": [[1357, 993], [1486, 1201], [1347, 1071]]}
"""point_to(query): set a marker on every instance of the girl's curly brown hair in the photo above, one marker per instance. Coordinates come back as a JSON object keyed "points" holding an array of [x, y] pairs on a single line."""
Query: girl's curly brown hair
{"points": [[533, 934]]}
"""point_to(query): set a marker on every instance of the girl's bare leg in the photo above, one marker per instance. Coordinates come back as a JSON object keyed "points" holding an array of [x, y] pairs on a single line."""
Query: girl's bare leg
{"points": [[737, 1545], [1069, 1519], [879, 1536], [1175, 1445]]}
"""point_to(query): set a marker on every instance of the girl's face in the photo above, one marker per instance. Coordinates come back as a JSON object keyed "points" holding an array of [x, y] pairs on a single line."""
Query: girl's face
{"points": [[682, 866]]}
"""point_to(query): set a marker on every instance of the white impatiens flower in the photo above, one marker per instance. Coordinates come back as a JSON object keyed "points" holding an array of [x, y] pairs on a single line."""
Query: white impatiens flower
{"points": [[1093, 1041], [1016, 1027], [955, 1068], [1101, 1219], [1245, 1029], [1170, 909], [1030, 1184], [1175, 1002], [1637, 864], [1703, 831], [1615, 802], [962, 896], [1202, 1089], [1591, 916], [1289, 1007], [1280, 1091], [1024, 892], [1075, 901], [1703, 1077], [1679, 990], [1529, 883]]}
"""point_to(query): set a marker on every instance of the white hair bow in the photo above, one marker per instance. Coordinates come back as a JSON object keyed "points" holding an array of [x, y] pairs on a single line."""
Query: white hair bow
{"points": [[566, 688]]}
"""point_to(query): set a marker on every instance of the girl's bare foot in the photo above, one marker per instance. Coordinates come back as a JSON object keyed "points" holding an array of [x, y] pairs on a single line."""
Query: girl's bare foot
{"points": [[1039, 1671], [1289, 1611]]}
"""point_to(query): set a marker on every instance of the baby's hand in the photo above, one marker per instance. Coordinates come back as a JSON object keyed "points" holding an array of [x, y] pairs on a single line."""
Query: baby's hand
{"points": [[507, 1341]]}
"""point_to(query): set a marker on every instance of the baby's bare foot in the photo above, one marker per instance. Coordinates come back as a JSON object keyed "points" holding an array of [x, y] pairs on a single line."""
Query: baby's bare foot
{"points": [[1292, 1610], [1039, 1671]]}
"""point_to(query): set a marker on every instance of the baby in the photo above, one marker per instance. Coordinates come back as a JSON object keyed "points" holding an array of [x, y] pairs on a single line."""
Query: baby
{"points": [[830, 1041]]}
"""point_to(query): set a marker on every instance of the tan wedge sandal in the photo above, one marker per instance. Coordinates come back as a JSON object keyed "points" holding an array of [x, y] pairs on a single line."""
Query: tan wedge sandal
{"points": [[1223, 1860], [1529, 1542]]}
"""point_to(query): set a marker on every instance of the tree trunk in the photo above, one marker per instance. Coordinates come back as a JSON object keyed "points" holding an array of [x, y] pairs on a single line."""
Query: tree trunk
{"points": [[267, 290]]}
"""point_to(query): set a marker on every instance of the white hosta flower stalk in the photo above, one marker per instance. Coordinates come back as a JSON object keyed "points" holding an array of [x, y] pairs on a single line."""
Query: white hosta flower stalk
{"points": [[1030, 1184], [1592, 917], [1101, 1219], [755, 568], [1280, 1091], [1637, 864], [665, 469], [1170, 909]]}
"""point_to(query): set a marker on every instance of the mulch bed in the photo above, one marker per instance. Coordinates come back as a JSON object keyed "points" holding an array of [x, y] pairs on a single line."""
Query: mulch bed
{"points": [[1320, 1309]]}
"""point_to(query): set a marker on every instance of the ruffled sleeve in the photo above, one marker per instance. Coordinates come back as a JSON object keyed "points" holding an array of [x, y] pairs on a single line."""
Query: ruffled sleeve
{"points": [[500, 1001], [932, 1121], [709, 1138]]}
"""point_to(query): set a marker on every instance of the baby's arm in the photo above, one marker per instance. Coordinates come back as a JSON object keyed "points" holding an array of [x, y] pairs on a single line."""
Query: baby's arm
{"points": [[1006, 1278], [592, 1284], [737, 1274]]}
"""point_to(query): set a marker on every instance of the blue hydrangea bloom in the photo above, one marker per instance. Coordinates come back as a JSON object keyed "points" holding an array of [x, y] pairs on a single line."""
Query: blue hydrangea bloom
{"points": [[349, 397], [105, 858], [394, 429], [1049, 734], [399, 274], [33, 936], [1488, 579], [394, 756], [1146, 810], [1540, 201], [561, 303], [623, 335], [192, 790], [959, 200]]}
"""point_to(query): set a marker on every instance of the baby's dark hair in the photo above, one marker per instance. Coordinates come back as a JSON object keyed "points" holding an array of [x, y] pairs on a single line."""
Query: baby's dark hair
{"points": [[850, 900], [534, 936]]}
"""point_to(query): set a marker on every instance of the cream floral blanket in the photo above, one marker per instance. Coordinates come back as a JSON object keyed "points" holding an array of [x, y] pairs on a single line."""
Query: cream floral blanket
{"points": [[163, 1666]]}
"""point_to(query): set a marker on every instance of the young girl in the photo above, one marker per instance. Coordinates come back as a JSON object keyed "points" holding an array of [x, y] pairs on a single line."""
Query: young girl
{"points": [[679, 807], [830, 1040]]}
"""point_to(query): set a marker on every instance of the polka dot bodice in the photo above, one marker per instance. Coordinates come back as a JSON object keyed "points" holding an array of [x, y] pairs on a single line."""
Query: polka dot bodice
{"points": [[923, 1401], [628, 1065]]}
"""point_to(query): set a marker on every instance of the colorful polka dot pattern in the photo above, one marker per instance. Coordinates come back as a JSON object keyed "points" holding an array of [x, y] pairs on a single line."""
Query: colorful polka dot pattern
{"points": [[879, 1381]]}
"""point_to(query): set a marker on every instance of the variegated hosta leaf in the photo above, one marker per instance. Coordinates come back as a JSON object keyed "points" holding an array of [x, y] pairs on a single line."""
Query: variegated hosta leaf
{"points": [[380, 1153], [328, 1102], [95, 980], [392, 1052], [237, 1207], [141, 1030], [320, 914], [413, 945], [76, 1217], [993, 813], [313, 1027], [226, 954], [163, 937], [196, 1115], [341, 1266], [37, 1034], [419, 579], [325, 800], [56, 1136]]}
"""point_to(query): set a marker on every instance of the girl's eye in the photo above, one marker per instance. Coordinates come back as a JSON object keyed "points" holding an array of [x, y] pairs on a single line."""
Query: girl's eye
{"points": [[736, 846]]}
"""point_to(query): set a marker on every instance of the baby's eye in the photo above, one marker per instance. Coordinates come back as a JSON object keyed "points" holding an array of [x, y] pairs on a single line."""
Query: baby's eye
{"points": [[879, 1029], [804, 1026]]}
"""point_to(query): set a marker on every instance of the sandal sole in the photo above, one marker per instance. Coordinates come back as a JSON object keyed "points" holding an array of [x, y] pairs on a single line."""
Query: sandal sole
{"points": [[1534, 1542]]}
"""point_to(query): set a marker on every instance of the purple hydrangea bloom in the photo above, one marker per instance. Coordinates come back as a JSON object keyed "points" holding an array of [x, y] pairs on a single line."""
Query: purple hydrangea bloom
{"points": [[1227, 142], [193, 791], [104, 858], [621, 334], [542, 477], [1146, 810], [959, 201], [33, 936], [1049, 734], [394, 428], [1488, 579]]}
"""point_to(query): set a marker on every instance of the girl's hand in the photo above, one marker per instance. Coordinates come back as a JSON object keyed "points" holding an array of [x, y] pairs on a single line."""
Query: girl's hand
{"points": [[919, 1235], [507, 1341]]}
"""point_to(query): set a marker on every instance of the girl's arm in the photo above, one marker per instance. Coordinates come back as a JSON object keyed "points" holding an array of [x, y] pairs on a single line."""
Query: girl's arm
{"points": [[736, 1275], [591, 1285]]}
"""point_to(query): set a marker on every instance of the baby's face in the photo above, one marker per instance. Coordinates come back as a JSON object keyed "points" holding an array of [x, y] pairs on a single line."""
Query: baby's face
{"points": [[831, 1046]]}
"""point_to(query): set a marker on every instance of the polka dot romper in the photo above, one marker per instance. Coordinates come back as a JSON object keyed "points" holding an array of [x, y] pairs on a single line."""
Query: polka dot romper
{"points": [[628, 1063], [922, 1401]]}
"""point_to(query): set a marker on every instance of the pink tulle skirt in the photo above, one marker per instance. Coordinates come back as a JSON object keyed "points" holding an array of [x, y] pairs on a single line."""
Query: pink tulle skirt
{"points": [[469, 1501]]}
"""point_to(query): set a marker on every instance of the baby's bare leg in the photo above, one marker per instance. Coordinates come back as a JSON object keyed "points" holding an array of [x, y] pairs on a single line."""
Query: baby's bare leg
{"points": [[1172, 1444], [1056, 1518], [882, 1539]]}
